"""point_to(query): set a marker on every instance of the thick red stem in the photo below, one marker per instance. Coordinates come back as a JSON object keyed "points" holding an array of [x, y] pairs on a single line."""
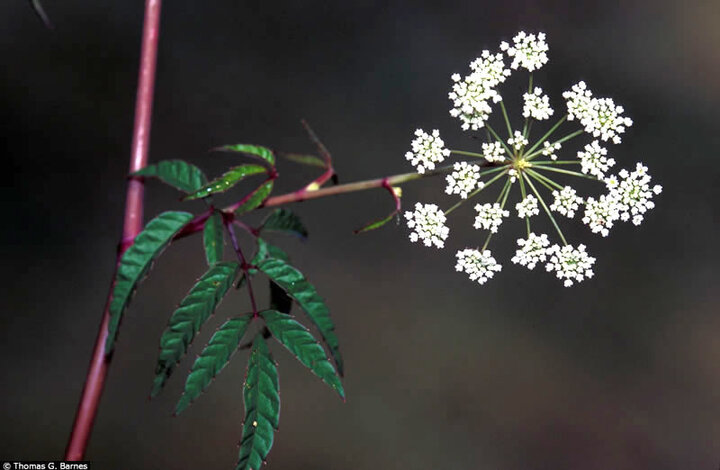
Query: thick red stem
{"points": [[133, 222]]}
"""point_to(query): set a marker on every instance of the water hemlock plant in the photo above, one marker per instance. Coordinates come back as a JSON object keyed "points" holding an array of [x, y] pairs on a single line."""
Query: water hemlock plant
{"points": [[526, 161]]}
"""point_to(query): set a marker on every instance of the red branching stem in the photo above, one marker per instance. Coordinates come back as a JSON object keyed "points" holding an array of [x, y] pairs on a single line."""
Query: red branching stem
{"points": [[396, 198], [300, 195], [133, 222], [243, 262], [325, 154]]}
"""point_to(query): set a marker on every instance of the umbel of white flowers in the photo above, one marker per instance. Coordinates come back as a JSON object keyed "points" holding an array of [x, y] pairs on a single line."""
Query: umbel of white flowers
{"points": [[534, 167]]}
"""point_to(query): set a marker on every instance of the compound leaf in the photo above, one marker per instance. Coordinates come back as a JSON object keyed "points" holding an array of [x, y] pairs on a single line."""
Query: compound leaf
{"points": [[256, 198], [284, 220], [187, 319], [298, 340], [261, 394], [136, 262], [228, 179], [177, 173], [213, 359], [213, 238], [307, 297], [254, 150]]}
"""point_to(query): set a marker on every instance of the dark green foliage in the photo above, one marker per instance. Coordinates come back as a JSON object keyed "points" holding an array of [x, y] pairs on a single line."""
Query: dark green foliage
{"points": [[229, 179], [187, 319], [307, 297], [283, 220], [177, 173], [298, 340], [213, 358], [256, 198], [213, 238], [262, 407], [253, 150], [136, 262]]}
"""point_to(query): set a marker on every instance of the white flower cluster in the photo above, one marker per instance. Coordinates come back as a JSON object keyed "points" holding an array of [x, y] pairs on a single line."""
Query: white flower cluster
{"points": [[489, 216], [472, 95], [479, 265], [428, 224], [628, 197], [566, 201], [550, 149], [532, 250], [594, 160], [600, 117], [493, 152], [632, 193], [527, 207], [528, 51], [536, 105], [427, 150], [518, 140], [573, 265], [464, 179], [601, 214]]}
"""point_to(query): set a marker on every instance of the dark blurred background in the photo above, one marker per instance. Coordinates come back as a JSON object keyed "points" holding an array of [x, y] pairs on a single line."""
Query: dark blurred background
{"points": [[621, 372]]}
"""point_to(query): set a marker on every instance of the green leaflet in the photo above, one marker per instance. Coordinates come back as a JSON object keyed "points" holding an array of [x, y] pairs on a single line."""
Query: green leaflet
{"points": [[177, 173], [283, 220], [213, 358], [304, 159], [376, 224], [265, 249], [213, 238], [254, 150], [305, 294], [262, 407], [257, 197], [229, 179], [136, 261], [187, 319], [298, 340]]}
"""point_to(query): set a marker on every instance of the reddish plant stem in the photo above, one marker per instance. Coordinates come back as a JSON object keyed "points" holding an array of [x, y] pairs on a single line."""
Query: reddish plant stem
{"points": [[133, 222], [325, 154], [303, 194], [243, 262]]}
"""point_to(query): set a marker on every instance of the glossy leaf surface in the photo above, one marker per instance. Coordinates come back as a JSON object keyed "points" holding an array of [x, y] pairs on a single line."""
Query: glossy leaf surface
{"points": [[301, 343], [177, 173], [253, 150], [189, 317], [136, 262], [261, 394], [307, 297], [213, 358], [213, 238], [256, 198], [229, 179]]}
